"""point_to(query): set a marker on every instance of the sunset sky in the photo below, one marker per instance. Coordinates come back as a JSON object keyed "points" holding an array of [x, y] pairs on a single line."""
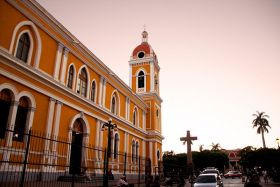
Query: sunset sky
{"points": [[219, 59]]}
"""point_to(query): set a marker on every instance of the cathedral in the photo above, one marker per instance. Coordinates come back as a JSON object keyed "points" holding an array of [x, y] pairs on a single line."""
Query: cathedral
{"points": [[52, 84]]}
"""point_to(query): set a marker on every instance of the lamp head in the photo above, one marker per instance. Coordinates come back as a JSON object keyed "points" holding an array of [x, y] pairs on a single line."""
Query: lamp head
{"points": [[103, 127], [110, 120]]}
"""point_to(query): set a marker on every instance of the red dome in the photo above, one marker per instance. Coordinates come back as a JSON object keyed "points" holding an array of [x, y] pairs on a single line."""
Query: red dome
{"points": [[145, 47]]}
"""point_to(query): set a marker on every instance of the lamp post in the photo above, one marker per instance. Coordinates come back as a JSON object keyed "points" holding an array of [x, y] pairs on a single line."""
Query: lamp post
{"points": [[110, 127], [277, 141]]}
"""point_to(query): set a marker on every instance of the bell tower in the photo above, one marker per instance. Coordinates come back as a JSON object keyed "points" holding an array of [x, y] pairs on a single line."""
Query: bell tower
{"points": [[144, 81], [144, 68]]}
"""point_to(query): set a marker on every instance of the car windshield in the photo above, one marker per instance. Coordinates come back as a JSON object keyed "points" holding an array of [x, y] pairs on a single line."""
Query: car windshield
{"points": [[211, 171], [206, 179]]}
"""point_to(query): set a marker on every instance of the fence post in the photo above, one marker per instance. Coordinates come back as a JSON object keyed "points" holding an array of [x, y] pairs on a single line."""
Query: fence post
{"points": [[25, 158], [139, 171], [124, 169]]}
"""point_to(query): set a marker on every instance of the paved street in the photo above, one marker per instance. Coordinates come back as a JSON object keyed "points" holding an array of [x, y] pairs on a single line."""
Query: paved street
{"points": [[238, 183]]}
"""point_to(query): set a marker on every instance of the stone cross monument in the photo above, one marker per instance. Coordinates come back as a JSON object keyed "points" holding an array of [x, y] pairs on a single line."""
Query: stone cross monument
{"points": [[189, 140]]}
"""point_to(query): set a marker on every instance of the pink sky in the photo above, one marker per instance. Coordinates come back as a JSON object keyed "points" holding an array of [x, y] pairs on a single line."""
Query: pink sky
{"points": [[219, 59]]}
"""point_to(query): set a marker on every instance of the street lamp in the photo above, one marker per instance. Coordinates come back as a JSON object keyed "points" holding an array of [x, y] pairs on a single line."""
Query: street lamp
{"points": [[277, 141], [110, 126]]}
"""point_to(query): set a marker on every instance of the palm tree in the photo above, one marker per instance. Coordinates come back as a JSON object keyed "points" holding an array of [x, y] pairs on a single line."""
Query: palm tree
{"points": [[261, 122], [215, 147]]}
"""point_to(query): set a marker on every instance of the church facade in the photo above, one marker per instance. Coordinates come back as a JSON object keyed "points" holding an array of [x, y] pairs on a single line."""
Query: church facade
{"points": [[51, 83]]}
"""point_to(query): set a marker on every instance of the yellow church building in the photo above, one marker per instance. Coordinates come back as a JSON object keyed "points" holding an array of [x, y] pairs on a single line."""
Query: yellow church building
{"points": [[51, 84]]}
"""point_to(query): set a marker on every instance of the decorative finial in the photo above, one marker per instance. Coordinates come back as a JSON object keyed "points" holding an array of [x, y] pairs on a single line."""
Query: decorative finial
{"points": [[144, 34]]}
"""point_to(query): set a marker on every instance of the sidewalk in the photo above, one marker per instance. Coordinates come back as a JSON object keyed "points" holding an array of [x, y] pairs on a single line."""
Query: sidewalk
{"points": [[270, 184]]}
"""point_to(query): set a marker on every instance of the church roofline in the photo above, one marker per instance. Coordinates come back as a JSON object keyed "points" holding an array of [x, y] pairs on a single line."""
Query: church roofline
{"points": [[150, 59], [71, 39], [151, 94]]}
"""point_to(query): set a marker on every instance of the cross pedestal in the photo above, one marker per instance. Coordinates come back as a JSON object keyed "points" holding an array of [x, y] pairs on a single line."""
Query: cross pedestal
{"points": [[189, 140]]}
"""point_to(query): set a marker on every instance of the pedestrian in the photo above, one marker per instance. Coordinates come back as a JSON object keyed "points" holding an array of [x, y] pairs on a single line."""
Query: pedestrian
{"points": [[265, 177], [110, 175], [122, 181], [253, 181], [191, 179]]}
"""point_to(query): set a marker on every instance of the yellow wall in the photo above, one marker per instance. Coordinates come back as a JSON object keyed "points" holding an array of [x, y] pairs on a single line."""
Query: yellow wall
{"points": [[42, 86]]}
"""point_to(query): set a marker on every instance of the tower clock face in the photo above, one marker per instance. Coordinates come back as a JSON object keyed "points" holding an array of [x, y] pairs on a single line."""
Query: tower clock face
{"points": [[141, 54]]}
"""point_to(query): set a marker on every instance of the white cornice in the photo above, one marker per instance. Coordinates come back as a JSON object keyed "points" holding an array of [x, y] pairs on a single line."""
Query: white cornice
{"points": [[43, 78], [146, 60], [60, 29], [151, 94]]}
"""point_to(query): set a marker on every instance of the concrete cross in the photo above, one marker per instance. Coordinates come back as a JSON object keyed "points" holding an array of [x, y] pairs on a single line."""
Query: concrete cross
{"points": [[189, 140]]}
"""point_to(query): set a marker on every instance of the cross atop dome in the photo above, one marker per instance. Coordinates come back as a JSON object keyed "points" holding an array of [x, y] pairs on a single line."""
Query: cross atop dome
{"points": [[144, 35]]}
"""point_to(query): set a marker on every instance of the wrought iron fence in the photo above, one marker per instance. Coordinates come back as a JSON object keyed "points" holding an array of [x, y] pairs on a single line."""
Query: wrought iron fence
{"points": [[36, 159]]}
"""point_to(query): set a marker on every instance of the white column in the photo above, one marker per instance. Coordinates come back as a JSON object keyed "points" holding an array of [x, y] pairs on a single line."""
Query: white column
{"points": [[48, 129], [97, 138], [130, 76], [85, 149], [152, 77], [151, 151], [100, 91], [57, 61], [64, 64], [143, 148], [156, 159], [57, 118], [50, 116], [127, 108], [144, 120], [125, 142], [56, 123], [101, 139], [100, 146], [30, 118], [126, 148], [68, 151], [104, 92]]}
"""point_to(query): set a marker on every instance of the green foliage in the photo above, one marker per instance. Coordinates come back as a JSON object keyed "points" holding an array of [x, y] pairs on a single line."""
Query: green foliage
{"points": [[263, 157], [217, 159], [262, 124], [178, 163]]}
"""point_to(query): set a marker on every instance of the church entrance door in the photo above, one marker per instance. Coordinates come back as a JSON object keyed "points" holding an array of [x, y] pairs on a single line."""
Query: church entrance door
{"points": [[76, 148]]}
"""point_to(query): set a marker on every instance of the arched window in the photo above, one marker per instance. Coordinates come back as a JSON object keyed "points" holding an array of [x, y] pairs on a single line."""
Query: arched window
{"points": [[70, 77], [113, 105], [93, 87], [141, 79], [21, 119], [116, 145], [82, 87], [5, 103], [135, 118], [23, 47], [133, 151]]}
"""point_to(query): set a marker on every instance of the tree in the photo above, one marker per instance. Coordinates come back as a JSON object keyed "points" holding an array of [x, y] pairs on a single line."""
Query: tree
{"points": [[262, 124], [215, 147]]}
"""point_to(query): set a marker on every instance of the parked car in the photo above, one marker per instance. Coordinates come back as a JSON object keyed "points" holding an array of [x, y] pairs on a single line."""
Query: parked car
{"points": [[233, 174], [208, 180], [212, 170]]}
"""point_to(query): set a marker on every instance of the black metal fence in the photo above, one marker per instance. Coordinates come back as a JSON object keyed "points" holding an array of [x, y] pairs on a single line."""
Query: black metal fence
{"points": [[36, 159]]}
